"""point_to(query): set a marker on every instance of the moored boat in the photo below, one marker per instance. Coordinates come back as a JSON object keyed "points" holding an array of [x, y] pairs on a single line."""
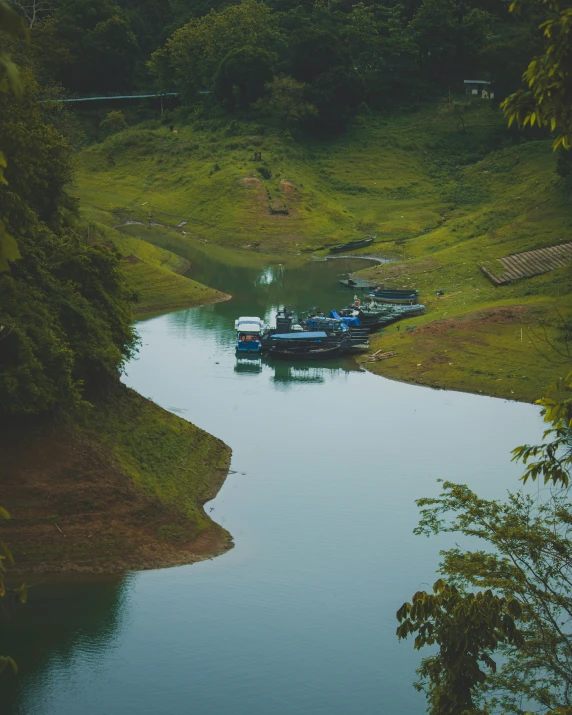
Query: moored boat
{"points": [[249, 334], [351, 245], [357, 284], [306, 345], [398, 296], [335, 324], [375, 315]]}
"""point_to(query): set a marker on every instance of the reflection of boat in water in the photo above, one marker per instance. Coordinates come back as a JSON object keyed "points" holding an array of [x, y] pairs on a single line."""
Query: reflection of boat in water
{"points": [[249, 364], [249, 332], [315, 372]]}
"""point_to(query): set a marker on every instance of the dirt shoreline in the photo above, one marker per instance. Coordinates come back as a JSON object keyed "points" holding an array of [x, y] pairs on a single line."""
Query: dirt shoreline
{"points": [[85, 499]]}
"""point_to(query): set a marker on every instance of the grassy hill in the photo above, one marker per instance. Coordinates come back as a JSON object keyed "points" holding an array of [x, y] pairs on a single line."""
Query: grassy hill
{"points": [[120, 488], [439, 197]]}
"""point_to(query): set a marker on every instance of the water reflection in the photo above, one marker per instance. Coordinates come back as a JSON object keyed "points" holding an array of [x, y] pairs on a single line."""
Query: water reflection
{"points": [[270, 275], [288, 374], [63, 620], [248, 365]]}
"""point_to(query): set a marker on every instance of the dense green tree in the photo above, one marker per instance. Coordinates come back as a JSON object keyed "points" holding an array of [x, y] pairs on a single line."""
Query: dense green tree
{"points": [[12, 25], [152, 21], [242, 76], [64, 308], [314, 52], [286, 99], [335, 94], [449, 34], [191, 58], [89, 46]]}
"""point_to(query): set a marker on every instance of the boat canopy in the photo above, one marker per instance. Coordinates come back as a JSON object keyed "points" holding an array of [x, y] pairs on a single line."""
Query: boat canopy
{"points": [[347, 320], [249, 324], [300, 336]]}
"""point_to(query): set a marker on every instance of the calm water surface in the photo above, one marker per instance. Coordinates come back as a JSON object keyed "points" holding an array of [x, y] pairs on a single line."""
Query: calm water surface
{"points": [[300, 616]]}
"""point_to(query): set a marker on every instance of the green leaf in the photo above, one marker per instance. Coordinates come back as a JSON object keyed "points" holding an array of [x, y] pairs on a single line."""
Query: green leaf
{"points": [[9, 251], [21, 593], [7, 553]]}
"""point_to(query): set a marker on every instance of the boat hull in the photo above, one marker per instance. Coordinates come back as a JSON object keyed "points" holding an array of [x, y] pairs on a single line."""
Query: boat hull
{"points": [[352, 246], [410, 300], [280, 353]]}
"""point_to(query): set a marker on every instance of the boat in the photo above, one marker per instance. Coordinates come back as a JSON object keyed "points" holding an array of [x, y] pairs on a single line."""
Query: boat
{"points": [[306, 345], [351, 245], [395, 301], [358, 284], [249, 331], [376, 315], [397, 296], [338, 324], [395, 292]]}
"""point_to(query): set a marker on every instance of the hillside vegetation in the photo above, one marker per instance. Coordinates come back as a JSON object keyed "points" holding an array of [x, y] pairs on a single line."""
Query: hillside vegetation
{"points": [[439, 198]]}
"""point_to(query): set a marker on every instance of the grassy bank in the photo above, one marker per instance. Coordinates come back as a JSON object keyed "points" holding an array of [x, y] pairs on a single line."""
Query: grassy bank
{"points": [[440, 199], [506, 341], [156, 275], [120, 488]]}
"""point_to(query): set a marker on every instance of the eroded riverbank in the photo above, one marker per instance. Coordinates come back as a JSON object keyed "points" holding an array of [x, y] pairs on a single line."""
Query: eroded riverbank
{"points": [[121, 488]]}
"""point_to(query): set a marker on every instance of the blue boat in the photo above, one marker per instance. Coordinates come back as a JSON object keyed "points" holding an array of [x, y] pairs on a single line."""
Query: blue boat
{"points": [[248, 334], [306, 345]]}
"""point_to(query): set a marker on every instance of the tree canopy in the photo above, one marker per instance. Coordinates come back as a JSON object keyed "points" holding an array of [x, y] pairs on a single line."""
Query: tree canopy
{"points": [[65, 312]]}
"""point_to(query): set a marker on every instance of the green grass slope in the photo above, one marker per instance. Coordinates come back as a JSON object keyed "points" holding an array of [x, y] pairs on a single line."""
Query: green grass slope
{"points": [[509, 340], [155, 274], [121, 488], [440, 199]]}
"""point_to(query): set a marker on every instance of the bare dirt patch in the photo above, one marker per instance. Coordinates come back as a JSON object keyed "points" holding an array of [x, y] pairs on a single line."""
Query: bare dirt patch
{"points": [[503, 315], [250, 182], [288, 187], [75, 509]]}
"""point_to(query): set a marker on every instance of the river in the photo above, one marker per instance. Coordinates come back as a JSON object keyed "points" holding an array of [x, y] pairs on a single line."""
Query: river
{"points": [[327, 461]]}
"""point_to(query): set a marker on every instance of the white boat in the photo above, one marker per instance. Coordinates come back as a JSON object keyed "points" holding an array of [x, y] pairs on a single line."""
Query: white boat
{"points": [[248, 333]]}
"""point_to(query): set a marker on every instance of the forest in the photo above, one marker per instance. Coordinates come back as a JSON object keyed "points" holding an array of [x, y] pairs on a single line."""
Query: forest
{"points": [[309, 63], [306, 70]]}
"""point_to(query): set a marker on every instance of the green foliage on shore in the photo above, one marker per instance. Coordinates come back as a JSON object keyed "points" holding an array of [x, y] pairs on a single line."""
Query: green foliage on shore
{"points": [[524, 556], [64, 307], [547, 100]]}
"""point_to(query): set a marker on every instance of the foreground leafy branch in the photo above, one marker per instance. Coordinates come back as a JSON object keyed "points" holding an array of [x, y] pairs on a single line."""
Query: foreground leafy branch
{"points": [[12, 24], [21, 593], [548, 100], [523, 570], [555, 460], [468, 628]]}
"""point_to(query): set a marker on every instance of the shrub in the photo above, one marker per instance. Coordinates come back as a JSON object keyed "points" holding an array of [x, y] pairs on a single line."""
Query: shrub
{"points": [[113, 123]]}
